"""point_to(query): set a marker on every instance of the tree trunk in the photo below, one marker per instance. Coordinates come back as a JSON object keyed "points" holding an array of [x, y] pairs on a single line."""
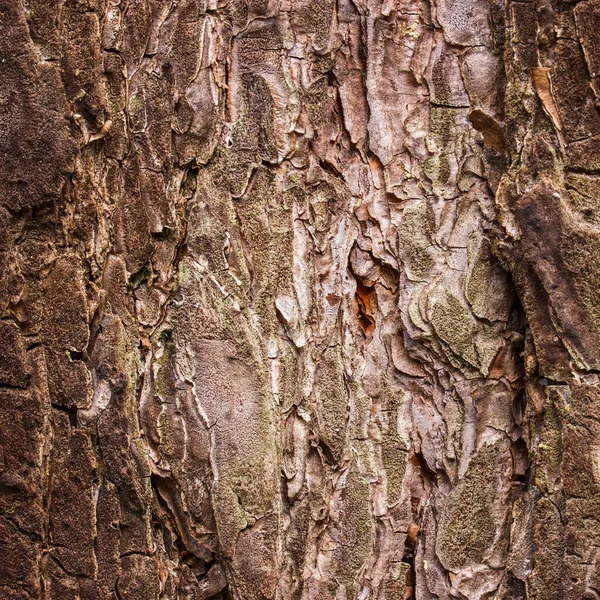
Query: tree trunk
{"points": [[300, 299]]}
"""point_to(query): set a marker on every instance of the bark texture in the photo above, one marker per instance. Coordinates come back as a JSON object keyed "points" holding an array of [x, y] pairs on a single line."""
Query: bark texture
{"points": [[299, 299]]}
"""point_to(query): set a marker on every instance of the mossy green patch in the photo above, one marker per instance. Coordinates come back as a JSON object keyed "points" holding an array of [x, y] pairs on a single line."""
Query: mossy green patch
{"points": [[487, 287], [395, 457], [468, 527], [414, 238], [355, 534], [229, 515], [332, 401], [454, 324]]}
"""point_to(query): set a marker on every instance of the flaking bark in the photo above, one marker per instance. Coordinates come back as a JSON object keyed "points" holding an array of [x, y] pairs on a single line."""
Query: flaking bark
{"points": [[299, 299]]}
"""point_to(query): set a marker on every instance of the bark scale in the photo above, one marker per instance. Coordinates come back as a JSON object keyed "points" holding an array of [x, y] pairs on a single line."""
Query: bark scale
{"points": [[299, 299]]}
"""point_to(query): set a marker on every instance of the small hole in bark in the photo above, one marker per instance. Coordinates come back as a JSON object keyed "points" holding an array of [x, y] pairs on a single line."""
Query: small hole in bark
{"points": [[75, 355], [365, 299], [166, 233]]}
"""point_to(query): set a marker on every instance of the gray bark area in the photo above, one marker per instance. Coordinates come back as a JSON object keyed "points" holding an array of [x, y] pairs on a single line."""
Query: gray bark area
{"points": [[299, 299]]}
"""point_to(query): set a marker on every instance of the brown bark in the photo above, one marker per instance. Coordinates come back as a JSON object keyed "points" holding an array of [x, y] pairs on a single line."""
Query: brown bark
{"points": [[299, 299]]}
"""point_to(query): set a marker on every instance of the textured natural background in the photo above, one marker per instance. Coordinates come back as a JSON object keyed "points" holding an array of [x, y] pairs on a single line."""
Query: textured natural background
{"points": [[299, 299]]}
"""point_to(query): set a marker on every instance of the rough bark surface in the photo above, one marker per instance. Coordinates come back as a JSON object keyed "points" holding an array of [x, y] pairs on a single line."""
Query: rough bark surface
{"points": [[300, 299]]}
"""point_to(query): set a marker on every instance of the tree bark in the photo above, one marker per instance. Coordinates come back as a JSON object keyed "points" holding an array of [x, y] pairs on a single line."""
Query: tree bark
{"points": [[299, 299]]}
